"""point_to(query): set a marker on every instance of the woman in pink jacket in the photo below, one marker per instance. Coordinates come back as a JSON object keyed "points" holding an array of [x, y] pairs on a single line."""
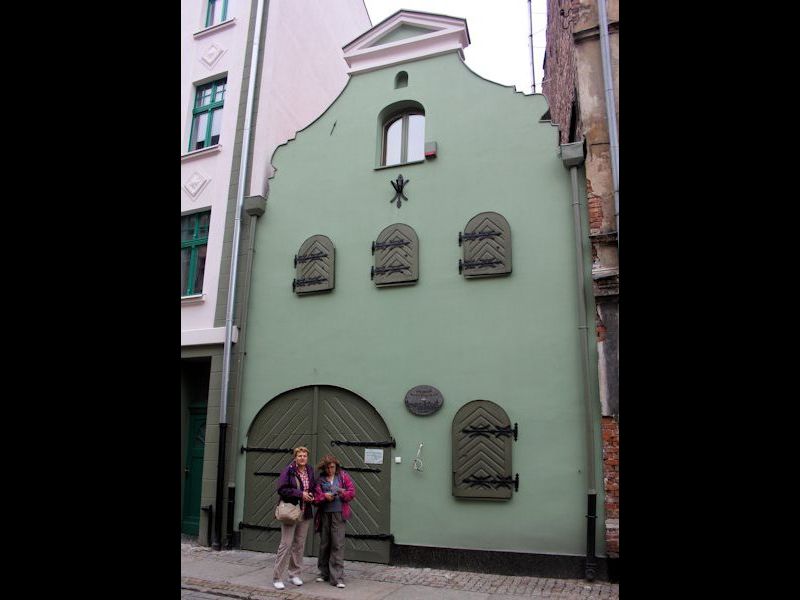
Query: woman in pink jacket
{"points": [[333, 494]]}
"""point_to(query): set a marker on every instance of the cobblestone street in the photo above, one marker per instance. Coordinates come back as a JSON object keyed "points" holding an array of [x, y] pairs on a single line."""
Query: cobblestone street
{"points": [[208, 574]]}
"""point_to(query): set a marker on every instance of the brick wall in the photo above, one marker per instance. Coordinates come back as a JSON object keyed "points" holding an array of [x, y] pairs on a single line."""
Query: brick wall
{"points": [[558, 83], [610, 429]]}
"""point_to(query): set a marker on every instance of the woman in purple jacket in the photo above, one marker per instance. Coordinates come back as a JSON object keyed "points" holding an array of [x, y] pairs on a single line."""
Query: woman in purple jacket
{"points": [[333, 493], [295, 485]]}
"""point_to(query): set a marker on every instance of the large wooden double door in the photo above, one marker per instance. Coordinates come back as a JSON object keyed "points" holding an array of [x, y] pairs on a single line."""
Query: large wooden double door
{"points": [[324, 419]]}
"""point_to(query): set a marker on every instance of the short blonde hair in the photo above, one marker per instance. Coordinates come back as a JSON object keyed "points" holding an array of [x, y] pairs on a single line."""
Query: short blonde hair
{"points": [[300, 449]]}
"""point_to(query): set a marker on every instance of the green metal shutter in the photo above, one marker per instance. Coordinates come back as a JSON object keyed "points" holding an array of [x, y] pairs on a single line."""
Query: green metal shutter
{"points": [[486, 244], [396, 254], [482, 439], [314, 266]]}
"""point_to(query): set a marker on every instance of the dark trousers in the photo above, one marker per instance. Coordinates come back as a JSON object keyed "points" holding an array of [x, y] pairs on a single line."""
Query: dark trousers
{"points": [[331, 547]]}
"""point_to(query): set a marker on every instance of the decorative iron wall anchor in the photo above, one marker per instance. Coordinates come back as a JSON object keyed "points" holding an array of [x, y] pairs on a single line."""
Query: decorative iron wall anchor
{"points": [[398, 186]]}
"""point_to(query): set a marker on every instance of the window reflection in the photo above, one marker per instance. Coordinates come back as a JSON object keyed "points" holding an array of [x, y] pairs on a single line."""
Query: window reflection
{"points": [[404, 138]]}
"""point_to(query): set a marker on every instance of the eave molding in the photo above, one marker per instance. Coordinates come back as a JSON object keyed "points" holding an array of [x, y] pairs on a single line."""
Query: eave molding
{"points": [[447, 34]]}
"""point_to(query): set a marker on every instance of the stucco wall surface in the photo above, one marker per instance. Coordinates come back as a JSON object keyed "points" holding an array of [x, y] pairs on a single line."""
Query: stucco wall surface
{"points": [[209, 57], [303, 71], [512, 340]]}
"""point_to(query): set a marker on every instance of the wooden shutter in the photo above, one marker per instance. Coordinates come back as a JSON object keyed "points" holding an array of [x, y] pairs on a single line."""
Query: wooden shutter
{"points": [[482, 437], [486, 244], [314, 266], [396, 254]]}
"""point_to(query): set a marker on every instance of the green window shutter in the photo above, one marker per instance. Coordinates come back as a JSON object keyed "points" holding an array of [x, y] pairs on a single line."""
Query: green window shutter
{"points": [[396, 254], [314, 266], [486, 245], [482, 437]]}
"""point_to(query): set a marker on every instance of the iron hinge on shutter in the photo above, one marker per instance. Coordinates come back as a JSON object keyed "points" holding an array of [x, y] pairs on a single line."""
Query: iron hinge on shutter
{"points": [[394, 244], [478, 235], [391, 443], [273, 450], [355, 536], [481, 263], [370, 536], [486, 481], [259, 527], [485, 431], [361, 469], [307, 257], [381, 270], [296, 283], [266, 473]]}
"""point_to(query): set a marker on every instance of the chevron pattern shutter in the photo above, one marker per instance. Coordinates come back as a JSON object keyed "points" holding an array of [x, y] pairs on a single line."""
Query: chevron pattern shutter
{"points": [[486, 244], [314, 266], [396, 256], [482, 452]]}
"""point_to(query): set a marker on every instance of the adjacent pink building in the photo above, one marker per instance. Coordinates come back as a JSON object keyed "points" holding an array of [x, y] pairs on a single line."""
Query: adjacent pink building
{"points": [[252, 74]]}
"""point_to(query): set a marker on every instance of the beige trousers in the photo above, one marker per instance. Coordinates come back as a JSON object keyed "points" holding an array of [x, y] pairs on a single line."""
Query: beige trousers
{"points": [[290, 550]]}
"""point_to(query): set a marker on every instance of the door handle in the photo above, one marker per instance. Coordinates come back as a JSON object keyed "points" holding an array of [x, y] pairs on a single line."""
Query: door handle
{"points": [[186, 472]]}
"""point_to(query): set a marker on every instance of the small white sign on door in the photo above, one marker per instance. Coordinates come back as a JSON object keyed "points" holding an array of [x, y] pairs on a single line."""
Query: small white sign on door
{"points": [[373, 456]]}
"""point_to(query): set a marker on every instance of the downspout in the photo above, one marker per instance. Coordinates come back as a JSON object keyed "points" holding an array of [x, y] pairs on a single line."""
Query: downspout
{"points": [[572, 156], [530, 37], [254, 207], [611, 106], [237, 226]]}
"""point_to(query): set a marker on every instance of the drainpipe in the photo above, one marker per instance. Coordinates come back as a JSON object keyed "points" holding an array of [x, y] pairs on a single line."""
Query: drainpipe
{"points": [[530, 37], [572, 156], [237, 226], [611, 107]]}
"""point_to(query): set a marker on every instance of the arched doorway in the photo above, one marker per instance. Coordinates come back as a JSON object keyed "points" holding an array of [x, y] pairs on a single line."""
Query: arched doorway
{"points": [[324, 419]]}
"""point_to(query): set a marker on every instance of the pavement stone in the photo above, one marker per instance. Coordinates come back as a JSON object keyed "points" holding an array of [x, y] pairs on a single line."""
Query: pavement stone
{"points": [[206, 574]]}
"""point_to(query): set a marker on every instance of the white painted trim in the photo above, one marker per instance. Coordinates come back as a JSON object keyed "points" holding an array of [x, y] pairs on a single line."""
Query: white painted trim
{"points": [[209, 30], [447, 35], [202, 152], [193, 299], [200, 337], [405, 17]]}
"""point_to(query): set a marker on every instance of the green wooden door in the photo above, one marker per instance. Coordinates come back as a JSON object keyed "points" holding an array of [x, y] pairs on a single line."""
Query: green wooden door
{"points": [[346, 419], [324, 419], [193, 473], [283, 424]]}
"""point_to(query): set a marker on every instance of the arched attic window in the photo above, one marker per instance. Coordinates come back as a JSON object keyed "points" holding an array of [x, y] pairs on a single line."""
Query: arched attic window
{"points": [[402, 133], [401, 80]]}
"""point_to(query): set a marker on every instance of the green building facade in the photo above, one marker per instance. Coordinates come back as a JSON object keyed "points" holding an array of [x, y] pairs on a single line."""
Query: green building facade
{"points": [[341, 331]]}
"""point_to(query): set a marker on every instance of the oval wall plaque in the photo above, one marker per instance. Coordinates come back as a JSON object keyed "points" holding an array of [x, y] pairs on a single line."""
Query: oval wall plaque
{"points": [[424, 400]]}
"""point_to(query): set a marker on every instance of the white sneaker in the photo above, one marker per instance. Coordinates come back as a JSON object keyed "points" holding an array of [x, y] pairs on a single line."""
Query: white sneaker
{"points": [[296, 580], [278, 585], [340, 585], [320, 578]]}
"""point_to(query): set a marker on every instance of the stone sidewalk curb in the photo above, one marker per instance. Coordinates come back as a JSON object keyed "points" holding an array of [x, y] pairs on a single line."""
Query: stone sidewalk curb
{"points": [[245, 592]]}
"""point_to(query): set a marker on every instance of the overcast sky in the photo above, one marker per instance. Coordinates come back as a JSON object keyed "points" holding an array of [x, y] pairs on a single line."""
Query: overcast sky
{"points": [[498, 32]]}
